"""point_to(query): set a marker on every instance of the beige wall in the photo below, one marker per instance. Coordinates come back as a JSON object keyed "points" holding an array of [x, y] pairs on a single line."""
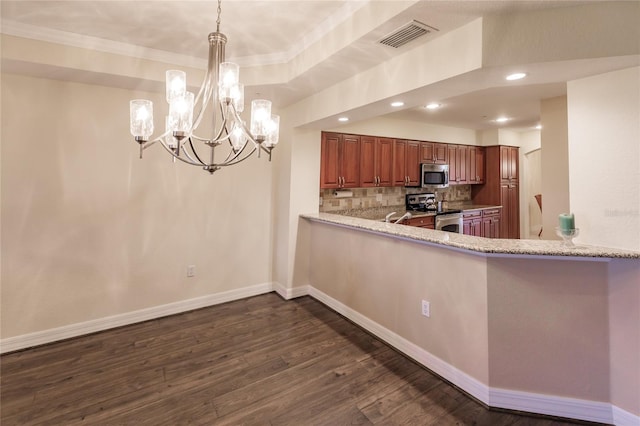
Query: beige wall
{"points": [[546, 326], [548, 329], [385, 280], [90, 231], [555, 164], [624, 336], [604, 149]]}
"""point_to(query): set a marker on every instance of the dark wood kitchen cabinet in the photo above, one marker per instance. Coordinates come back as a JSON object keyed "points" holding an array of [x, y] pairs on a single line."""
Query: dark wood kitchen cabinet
{"points": [[472, 223], [434, 152], [458, 164], [406, 163], [501, 187], [482, 223], [475, 165], [376, 161], [339, 161], [491, 223], [428, 222]]}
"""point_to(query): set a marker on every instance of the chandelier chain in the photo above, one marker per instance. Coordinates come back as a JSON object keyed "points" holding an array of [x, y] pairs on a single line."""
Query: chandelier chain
{"points": [[219, 12]]}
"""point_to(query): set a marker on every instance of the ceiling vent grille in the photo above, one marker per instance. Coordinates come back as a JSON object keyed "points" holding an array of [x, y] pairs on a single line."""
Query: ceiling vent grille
{"points": [[406, 33]]}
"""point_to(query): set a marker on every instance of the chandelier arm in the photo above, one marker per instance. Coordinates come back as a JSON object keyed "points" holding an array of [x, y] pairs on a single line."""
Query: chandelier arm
{"points": [[243, 126], [173, 154], [206, 89], [194, 153], [206, 86], [233, 155], [231, 163]]}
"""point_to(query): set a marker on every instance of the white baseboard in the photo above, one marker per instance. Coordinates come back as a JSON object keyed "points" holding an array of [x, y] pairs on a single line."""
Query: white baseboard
{"points": [[499, 398], [290, 293], [624, 418], [73, 330], [552, 405]]}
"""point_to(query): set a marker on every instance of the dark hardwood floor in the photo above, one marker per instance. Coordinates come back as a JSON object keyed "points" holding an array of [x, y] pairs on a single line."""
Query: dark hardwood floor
{"points": [[261, 360]]}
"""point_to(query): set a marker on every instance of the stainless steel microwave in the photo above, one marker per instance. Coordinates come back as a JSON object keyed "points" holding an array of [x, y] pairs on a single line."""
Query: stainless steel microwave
{"points": [[434, 176]]}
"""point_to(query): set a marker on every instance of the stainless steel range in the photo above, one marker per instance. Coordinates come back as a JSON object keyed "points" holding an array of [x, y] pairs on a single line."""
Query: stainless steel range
{"points": [[446, 219]]}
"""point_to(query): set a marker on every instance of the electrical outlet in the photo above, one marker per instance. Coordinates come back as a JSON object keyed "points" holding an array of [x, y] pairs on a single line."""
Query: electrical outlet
{"points": [[191, 271], [321, 200], [379, 198], [426, 309]]}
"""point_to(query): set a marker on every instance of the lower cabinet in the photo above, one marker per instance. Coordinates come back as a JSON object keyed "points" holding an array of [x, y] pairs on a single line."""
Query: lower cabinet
{"points": [[422, 222], [482, 223], [491, 223], [472, 223]]}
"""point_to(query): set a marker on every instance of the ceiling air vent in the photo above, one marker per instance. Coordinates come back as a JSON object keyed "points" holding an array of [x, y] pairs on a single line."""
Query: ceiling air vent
{"points": [[406, 33]]}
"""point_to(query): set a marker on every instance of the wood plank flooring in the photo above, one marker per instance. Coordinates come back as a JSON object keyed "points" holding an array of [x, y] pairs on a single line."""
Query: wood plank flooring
{"points": [[260, 360]]}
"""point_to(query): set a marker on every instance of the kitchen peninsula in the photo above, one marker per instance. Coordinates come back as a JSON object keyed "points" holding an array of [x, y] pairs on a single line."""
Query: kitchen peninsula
{"points": [[520, 324]]}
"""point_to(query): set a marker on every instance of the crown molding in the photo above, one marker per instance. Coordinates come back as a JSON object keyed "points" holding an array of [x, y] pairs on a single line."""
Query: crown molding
{"points": [[33, 32]]}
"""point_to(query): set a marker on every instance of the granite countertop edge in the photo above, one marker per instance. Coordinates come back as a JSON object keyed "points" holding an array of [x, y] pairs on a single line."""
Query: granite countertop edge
{"points": [[475, 244]]}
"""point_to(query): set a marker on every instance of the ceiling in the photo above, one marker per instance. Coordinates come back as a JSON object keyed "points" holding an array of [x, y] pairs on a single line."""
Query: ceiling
{"points": [[275, 31]]}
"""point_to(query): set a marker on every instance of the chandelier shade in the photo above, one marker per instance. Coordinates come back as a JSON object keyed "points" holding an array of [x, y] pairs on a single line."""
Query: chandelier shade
{"points": [[220, 97]]}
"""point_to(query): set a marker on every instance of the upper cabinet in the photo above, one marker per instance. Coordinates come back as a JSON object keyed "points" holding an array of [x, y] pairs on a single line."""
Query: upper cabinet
{"points": [[406, 163], [376, 161], [475, 167], [508, 163], [433, 152], [458, 164], [357, 161], [340, 161]]}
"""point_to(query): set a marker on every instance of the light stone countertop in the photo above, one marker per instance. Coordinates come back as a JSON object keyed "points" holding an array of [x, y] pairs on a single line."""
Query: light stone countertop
{"points": [[474, 244]]}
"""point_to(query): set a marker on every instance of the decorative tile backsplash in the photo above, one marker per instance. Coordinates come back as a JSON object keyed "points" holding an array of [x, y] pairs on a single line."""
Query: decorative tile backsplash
{"points": [[332, 200]]}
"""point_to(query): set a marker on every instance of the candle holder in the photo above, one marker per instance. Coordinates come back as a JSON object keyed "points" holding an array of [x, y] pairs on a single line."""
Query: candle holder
{"points": [[567, 235]]}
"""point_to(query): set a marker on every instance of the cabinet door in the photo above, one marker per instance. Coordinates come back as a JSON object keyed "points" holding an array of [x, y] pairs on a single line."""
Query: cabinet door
{"points": [[384, 161], [412, 164], [475, 165], [426, 152], [399, 162], [506, 210], [440, 153], [367, 161], [349, 161], [514, 211], [329, 161], [453, 164], [510, 223], [505, 166], [466, 226], [433, 152], [513, 163], [458, 164], [509, 162], [491, 227]]}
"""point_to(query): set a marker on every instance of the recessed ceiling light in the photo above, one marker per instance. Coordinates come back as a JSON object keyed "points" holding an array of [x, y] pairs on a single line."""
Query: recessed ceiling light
{"points": [[343, 119], [433, 105], [397, 104], [501, 119], [516, 76]]}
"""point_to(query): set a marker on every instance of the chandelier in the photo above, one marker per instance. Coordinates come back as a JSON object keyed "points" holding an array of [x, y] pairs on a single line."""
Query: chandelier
{"points": [[222, 91]]}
